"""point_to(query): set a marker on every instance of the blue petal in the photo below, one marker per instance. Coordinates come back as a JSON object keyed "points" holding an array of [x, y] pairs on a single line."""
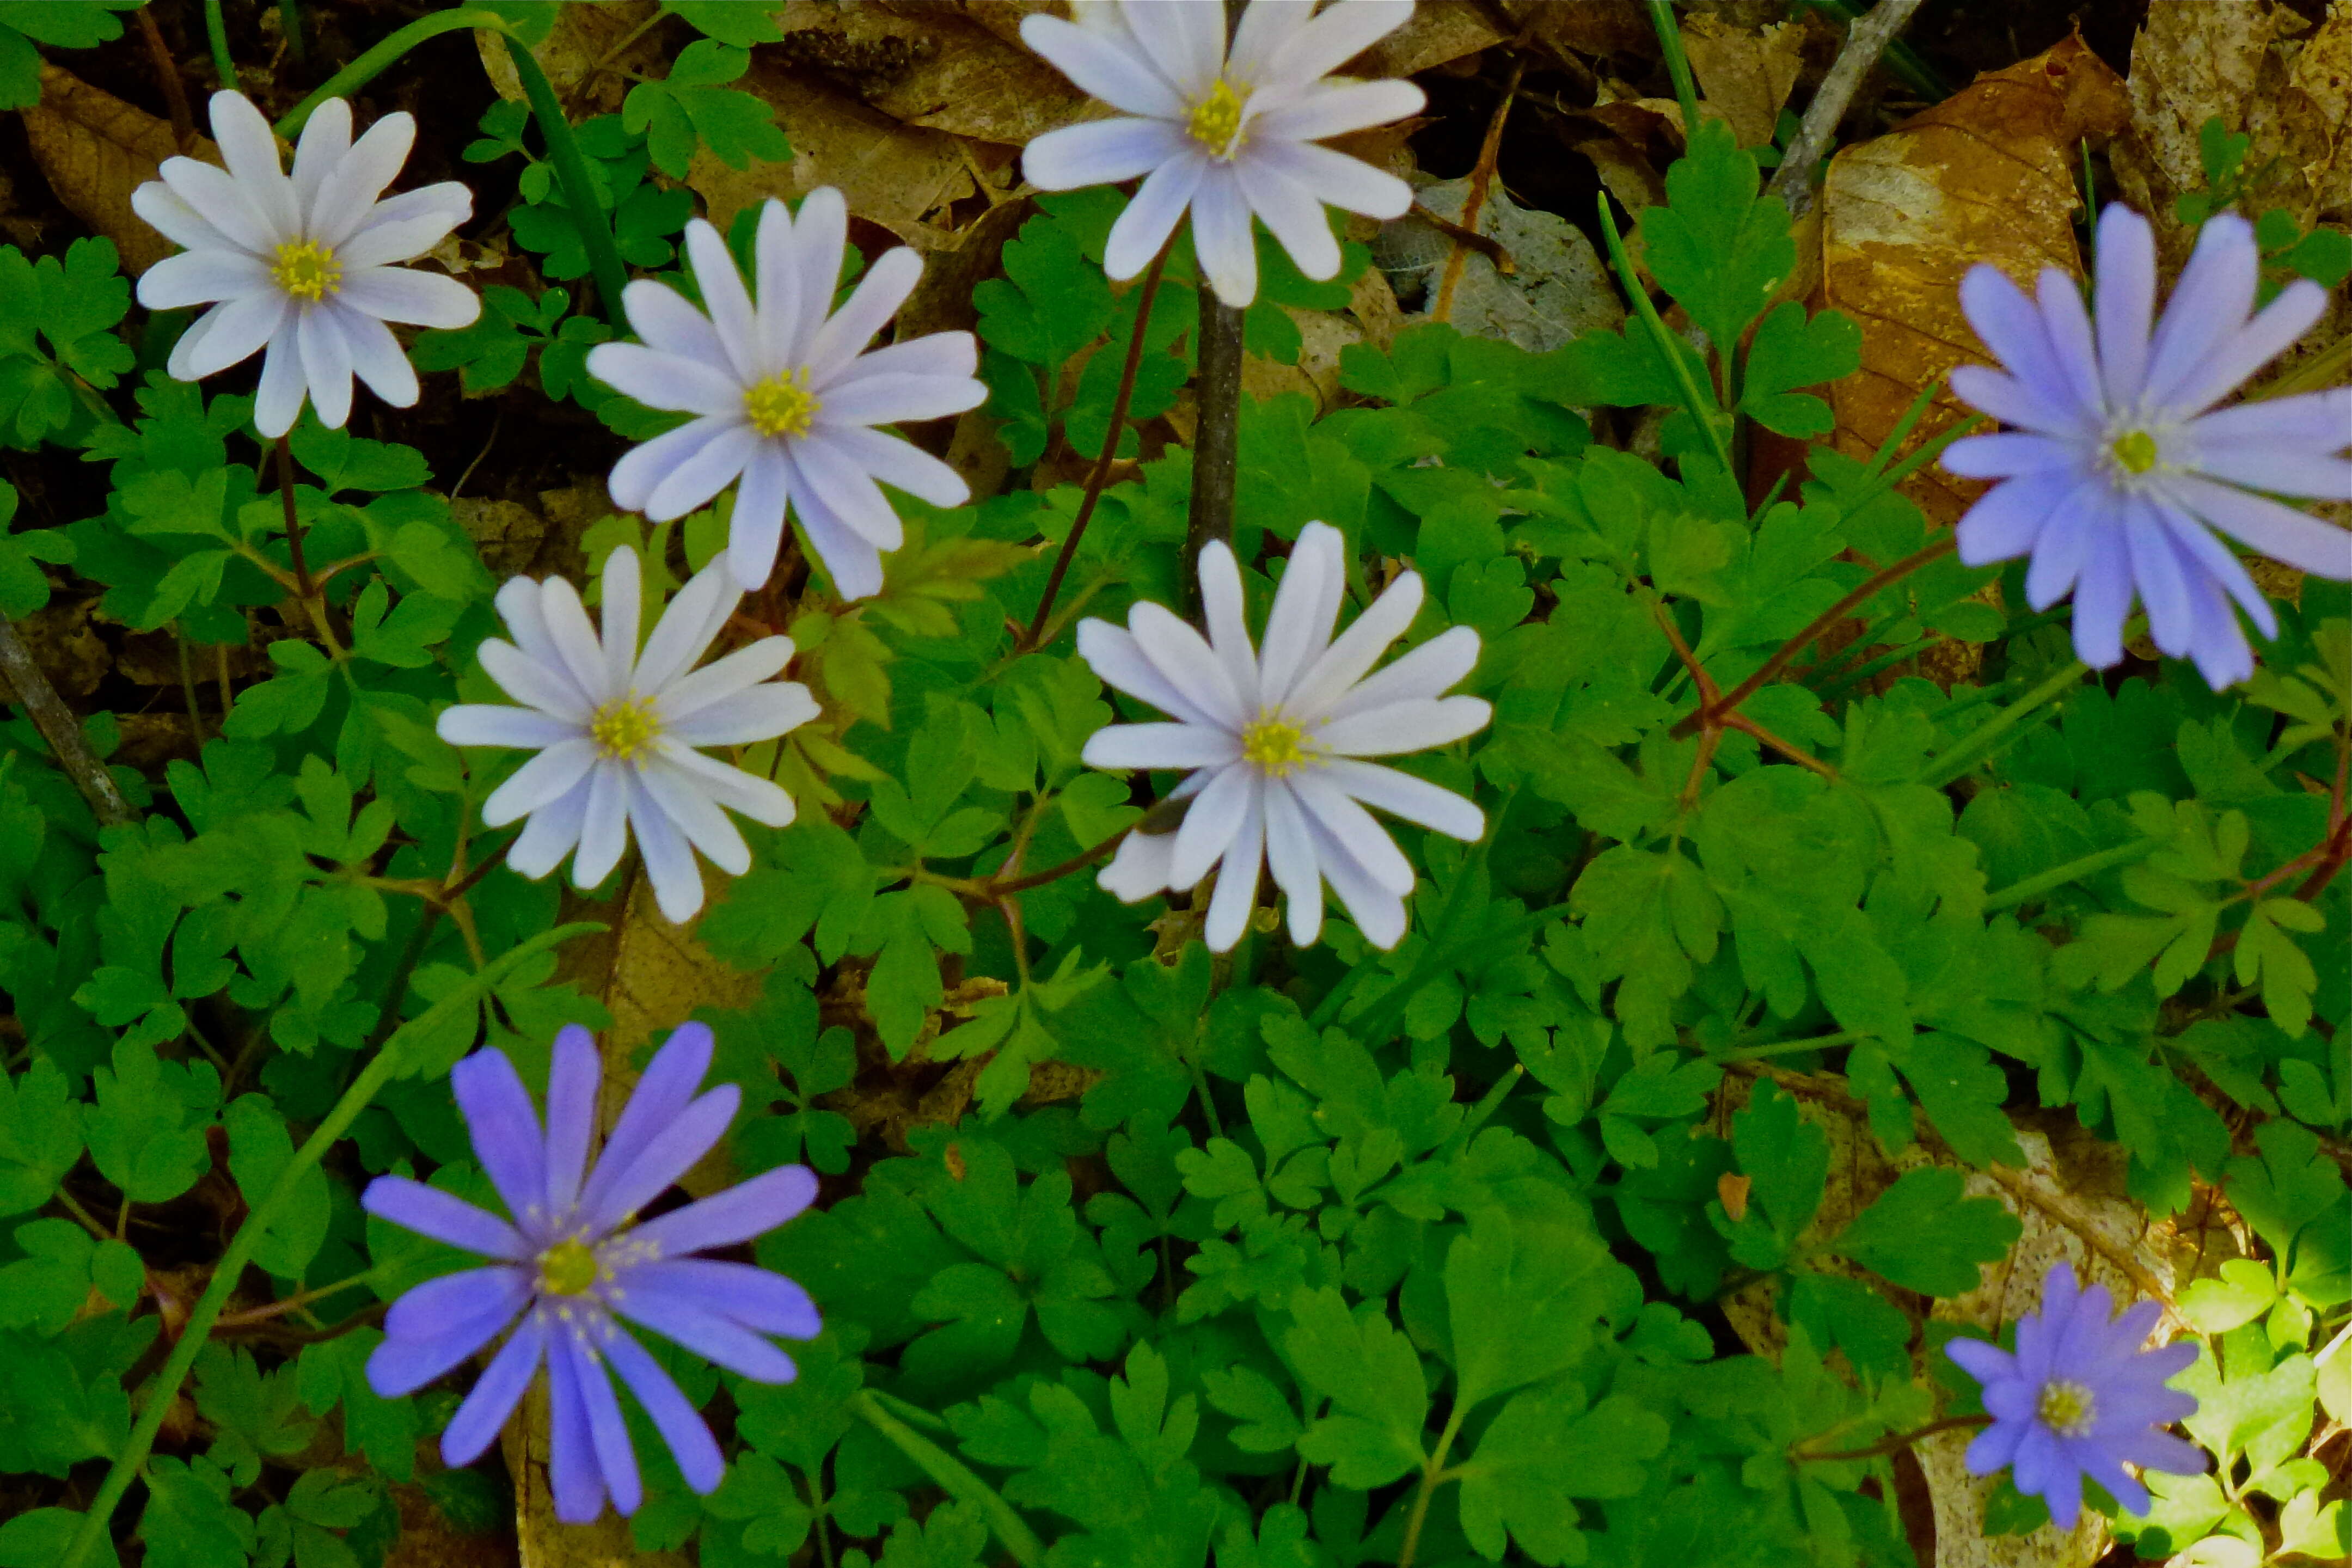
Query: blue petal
{"points": [[738, 1213], [504, 1128], [666, 1088], [476, 1425], [454, 1301], [428, 1211], [756, 1297], [2064, 1491], [572, 1469], [1981, 1359], [689, 1439], [713, 1338], [606, 1431], [663, 1159], [2153, 1450], [572, 1076], [1995, 1446], [400, 1366]]}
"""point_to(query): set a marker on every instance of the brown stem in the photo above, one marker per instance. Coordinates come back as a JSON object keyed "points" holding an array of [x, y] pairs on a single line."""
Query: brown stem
{"points": [[1710, 713], [1216, 438], [1896, 1444], [60, 729], [1474, 201], [1100, 476], [302, 584], [167, 77]]}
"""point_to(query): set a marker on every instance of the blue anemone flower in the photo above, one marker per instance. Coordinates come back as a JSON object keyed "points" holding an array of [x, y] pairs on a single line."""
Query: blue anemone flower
{"points": [[571, 1262], [2080, 1397]]}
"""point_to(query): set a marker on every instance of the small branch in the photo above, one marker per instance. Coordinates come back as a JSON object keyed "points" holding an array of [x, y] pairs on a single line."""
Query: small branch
{"points": [[302, 584], [1793, 181], [1474, 202], [1893, 1444], [1216, 440], [167, 77], [1100, 477], [299, 1299], [60, 729]]}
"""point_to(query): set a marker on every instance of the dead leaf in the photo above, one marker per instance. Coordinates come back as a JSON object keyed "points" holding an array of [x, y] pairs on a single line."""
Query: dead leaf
{"points": [[1558, 288], [587, 56], [1985, 176], [900, 176], [1594, 28], [95, 150], [932, 69], [1748, 76], [1434, 36]]}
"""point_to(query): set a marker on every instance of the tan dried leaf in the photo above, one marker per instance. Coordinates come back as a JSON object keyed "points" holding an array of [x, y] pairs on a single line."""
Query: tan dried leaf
{"points": [[1747, 75], [1436, 34], [586, 56], [1985, 176], [96, 150], [932, 69]]}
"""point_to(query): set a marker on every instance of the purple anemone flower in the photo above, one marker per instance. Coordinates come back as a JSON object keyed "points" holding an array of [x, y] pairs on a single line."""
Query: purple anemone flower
{"points": [[573, 1262], [2080, 1397], [2116, 475]]}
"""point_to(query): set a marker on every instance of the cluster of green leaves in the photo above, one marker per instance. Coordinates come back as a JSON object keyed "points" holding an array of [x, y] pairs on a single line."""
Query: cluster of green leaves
{"points": [[1280, 1259], [2322, 255], [59, 23]]}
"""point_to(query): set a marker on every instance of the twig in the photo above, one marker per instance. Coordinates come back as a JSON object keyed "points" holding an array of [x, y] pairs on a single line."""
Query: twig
{"points": [[188, 677], [1864, 41], [1474, 201], [302, 584], [60, 729], [1895, 1444], [1100, 477], [167, 77], [1217, 437], [498, 418]]}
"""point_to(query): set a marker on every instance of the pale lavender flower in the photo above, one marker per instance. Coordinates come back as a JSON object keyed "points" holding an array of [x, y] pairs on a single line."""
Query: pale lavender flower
{"points": [[2080, 1397], [572, 1261], [2116, 475], [1226, 135]]}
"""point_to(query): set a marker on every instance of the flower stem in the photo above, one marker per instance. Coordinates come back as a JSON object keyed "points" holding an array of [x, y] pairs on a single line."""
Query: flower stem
{"points": [[1670, 44], [290, 1303], [1433, 1476], [1217, 437], [289, 17], [1713, 712], [1096, 479], [1013, 1532], [388, 1064], [1975, 746], [572, 171], [375, 61], [2074, 870], [167, 78], [217, 35], [1702, 406], [302, 584]]}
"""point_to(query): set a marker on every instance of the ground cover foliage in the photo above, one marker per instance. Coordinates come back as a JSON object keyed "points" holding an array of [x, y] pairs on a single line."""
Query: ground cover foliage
{"points": [[1619, 1214]]}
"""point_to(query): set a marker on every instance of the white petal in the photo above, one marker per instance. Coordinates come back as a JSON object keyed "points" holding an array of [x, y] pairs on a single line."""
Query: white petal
{"points": [[277, 401], [1123, 746], [1151, 215], [745, 666], [1230, 905], [235, 331], [824, 473], [1265, 27], [1378, 913], [618, 633], [669, 323], [250, 151], [1222, 238], [213, 196], [849, 558], [492, 724], [201, 276], [326, 365], [377, 359], [1340, 33], [1103, 68], [668, 861], [551, 833], [326, 139], [1401, 794], [1222, 608], [1352, 826], [724, 297], [755, 528], [1358, 648], [1185, 43], [1415, 725], [680, 797], [1290, 853], [820, 238], [1139, 867], [1349, 184], [166, 212], [641, 468], [1185, 660], [550, 687], [406, 227], [688, 623], [761, 713], [1099, 153], [1334, 109], [776, 304], [897, 463], [348, 198], [661, 379], [888, 399], [1218, 813], [952, 354], [574, 635], [875, 301], [518, 602], [697, 477], [760, 799], [1111, 653], [604, 830], [544, 778], [418, 298], [1298, 629], [1292, 214]]}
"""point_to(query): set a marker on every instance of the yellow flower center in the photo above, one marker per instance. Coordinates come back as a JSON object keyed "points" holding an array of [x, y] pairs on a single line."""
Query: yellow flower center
{"points": [[567, 1268], [1275, 746], [308, 270], [2065, 1408], [1216, 121], [2135, 453], [782, 405], [624, 727]]}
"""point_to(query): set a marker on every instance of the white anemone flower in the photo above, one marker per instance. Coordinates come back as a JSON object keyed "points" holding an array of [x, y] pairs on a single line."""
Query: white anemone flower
{"points": [[303, 265], [1275, 740], [782, 397], [1227, 135], [617, 731]]}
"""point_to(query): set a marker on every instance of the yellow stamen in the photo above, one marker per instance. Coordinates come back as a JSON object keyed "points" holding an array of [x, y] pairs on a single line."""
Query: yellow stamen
{"points": [[2065, 1408], [781, 405], [2135, 453], [567, 1268], [624, 727], [308, 270], [1216, 121], [1275, 746]]}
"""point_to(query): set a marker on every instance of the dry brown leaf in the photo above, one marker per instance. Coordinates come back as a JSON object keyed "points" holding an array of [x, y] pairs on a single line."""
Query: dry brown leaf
{"points": [[1985, 176], [900, 176], [1589, 28], [1747, 75], [931, 68], [96, 150], [574, 56], [1436, 34]]}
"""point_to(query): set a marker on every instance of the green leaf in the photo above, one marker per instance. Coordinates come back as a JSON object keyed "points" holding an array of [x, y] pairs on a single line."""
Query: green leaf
{"points": [[40, 1136], [1924, 1233], [1715, 247], [38, 1539], [146, 1134], [259, 1149], [1544, 1448], [1369, 1373], [2243, 1292], [255, 1414], [1790, 351], [1523, 1295]]}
